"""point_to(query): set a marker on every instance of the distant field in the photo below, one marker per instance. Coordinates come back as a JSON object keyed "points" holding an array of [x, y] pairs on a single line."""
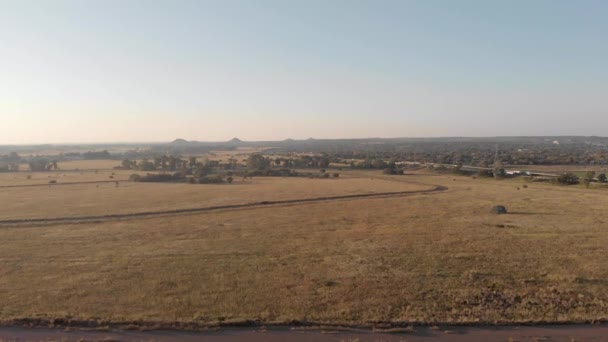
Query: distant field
{"points": [[439, 257], [61, 176], [129, 197]]}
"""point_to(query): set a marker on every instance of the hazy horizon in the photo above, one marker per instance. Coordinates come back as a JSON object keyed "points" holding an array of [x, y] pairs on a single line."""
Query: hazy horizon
{"points": [[154, 71]]}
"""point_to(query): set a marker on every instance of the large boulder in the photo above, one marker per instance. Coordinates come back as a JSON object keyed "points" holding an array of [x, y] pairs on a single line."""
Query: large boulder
{"points": [[499, 209]]}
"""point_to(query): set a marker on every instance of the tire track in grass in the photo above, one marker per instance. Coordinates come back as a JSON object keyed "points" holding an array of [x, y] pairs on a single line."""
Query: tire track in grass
{"points": [[149, 214]]}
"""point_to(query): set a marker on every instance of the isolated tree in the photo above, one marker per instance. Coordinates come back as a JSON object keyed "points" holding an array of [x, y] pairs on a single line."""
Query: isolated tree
{"points": [[588, 178]]}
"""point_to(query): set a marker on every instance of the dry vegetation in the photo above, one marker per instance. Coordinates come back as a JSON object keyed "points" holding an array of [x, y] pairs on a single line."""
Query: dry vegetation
{"points": [[439, 257], [130, 197]]}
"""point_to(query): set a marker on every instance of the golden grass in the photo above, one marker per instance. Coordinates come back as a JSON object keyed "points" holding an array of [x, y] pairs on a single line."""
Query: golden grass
{"points": [[65, 176], [423, 258], [129, 197]]}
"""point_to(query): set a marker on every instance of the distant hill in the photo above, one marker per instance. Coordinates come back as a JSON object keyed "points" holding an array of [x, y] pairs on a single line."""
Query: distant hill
{"points": [[235, 141], [180, 141]]}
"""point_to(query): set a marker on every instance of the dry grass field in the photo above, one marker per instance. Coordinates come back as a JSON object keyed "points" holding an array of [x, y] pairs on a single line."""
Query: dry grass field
{"points": [[62, 177], [131, 197], [423, 258]]}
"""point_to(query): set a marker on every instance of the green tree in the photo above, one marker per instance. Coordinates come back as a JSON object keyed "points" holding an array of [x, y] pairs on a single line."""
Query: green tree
{"points": [[567, 178], [589, 176], [146, 165], [257, 162]]}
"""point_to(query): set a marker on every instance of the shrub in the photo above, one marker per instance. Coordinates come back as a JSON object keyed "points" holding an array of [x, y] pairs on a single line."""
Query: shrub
{"points": [[485, 173], [135, 177], [499, 210], [162, 177], [567, 179], [335, 175], [213, 179], [229, 179]]}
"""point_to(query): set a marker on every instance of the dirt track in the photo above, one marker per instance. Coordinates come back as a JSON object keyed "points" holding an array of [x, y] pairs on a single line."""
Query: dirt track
{"points": [[447, 334], [58, 184], [148, 214]]}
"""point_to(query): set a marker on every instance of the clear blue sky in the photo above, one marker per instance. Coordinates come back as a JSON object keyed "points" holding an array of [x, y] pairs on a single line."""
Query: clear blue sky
{"points": [[120, 70]]}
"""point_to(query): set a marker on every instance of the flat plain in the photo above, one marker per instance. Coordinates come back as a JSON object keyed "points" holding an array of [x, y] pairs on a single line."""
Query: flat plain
{"points": [[424, 258]]}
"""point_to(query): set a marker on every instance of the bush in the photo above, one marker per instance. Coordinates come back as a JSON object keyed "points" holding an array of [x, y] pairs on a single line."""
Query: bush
{"points": [[485, 173], [229, 179], [158, 178], [567, 179], [134, 177], [499, 210], [335, 175], [213, 179]]}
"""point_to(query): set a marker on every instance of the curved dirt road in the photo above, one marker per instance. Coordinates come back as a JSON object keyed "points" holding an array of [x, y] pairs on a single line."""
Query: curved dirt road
{"points": [[149, 214]]}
